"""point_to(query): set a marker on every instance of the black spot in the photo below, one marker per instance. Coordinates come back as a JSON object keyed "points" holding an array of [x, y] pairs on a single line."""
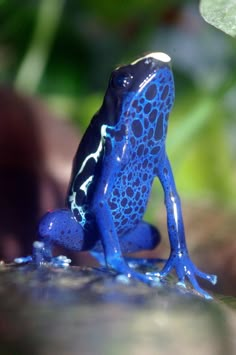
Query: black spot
{"points": [[159, 127], [140, 150], [145, 163], [155, 150], [119, 135], [135, 103], [150, 133], [165, 92], [145, 151], [130, 176], [129, 192], [141, 210], [151, 92], [121, 231], [153, 115], [144, 189], [155, 171], [118, 215], [156, 161], [147, 108], [137, 196], [116, 192], [150, 143], [113, 205], [145, 176], [124, 179], [146, 123], [124, 202], [161, 106], [132, 140], [139, 109], [124, 221], [137, 128], [128, 210]]}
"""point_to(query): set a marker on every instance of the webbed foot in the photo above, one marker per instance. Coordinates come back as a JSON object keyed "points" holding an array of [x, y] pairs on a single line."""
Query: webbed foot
{"points": [[23, 260], [126, 273], [185, 268], [42, 255]]}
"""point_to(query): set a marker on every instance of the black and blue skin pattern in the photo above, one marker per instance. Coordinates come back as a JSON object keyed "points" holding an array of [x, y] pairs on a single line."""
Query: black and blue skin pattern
{"points": [[121, 152]]}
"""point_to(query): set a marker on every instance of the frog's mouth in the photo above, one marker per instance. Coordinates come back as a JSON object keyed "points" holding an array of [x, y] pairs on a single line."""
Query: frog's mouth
{"points": [[160, 56]]}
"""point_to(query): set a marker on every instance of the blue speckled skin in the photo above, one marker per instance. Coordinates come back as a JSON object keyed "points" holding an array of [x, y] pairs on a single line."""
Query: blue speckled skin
{"points": [[121, 153]]}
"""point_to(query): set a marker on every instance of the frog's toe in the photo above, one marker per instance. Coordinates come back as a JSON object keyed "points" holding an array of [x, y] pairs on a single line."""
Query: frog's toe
{"points": [[23, 260], [209, 277], [119, 265], [196, 287], [185, 269], [60, 261]]}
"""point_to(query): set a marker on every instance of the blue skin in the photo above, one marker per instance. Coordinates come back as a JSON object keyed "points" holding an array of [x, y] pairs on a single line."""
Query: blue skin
{"points": [[121, 152]]}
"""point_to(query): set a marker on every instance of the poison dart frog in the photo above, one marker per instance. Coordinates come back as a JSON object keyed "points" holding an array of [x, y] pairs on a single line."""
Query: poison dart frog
{"points": [[121, 152]]}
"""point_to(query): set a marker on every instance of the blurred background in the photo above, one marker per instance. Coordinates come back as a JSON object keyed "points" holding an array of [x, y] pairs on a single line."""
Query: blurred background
{"points": [[55, 60]]}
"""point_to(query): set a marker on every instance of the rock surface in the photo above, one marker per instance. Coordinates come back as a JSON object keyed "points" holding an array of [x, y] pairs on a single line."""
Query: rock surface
{"points": [[87, 311]]}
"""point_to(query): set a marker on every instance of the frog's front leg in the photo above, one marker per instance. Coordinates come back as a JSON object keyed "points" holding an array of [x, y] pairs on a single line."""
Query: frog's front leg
{"points": [[104, 219], [143, 237], [179, 258]]}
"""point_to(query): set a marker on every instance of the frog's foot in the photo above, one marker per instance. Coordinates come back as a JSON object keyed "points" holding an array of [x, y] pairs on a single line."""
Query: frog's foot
{"points": [[185, 268], [99, 256], [38, 256], [23, 260], [125, 273], [60, 261], [42, 255], [132, 262], [143, 262]]}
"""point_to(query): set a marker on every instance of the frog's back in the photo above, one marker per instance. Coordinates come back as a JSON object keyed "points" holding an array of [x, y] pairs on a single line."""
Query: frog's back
{"points": [[135, 111], [148, 117]]}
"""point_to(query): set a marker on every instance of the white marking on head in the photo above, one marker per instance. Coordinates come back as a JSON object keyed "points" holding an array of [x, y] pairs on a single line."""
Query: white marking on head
{"points": [[162, 57]]}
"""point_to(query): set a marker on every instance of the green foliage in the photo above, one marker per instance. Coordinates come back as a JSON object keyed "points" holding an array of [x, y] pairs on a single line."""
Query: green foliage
{"points": [[221, 14]]}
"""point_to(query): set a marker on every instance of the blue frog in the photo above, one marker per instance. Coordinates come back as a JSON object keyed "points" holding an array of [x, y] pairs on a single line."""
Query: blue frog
{"points": [[121, 152]]}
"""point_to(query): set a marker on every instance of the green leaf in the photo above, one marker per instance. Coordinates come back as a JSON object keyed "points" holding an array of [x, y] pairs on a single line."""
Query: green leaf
{"points": [[221, 14]]}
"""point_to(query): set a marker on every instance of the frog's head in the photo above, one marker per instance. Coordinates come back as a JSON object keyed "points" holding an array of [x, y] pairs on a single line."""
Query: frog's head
{"points": [[142, 88]]}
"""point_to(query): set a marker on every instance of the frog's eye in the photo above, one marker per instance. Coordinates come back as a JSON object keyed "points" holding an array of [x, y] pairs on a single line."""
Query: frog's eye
{"points": [[122, 80]]}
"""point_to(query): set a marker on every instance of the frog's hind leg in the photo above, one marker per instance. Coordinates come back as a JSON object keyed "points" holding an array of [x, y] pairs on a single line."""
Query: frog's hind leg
{"points": [[143, 237], [60, 227]]}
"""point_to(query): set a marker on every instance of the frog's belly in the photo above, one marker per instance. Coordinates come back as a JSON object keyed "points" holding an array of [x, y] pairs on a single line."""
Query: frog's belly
{"points": [[129, 197]]}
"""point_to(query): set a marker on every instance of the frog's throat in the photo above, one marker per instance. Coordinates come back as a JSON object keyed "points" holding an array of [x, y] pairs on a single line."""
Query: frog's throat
{"points": [[162, 57]]}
